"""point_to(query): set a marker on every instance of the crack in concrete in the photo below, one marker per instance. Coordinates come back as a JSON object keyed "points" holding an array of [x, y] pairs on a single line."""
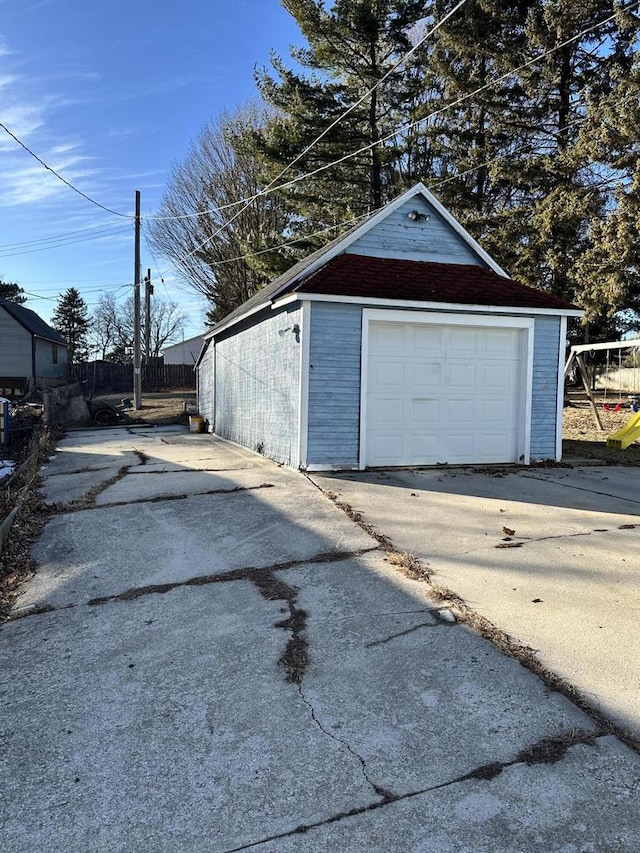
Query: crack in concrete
{"points": [[88, 503], [191, 470], [246, 573], [411, 630], [86, 470], [230, 575], [383, 793], [580, 488], [546, 751], [295, 658], [501, 640]]}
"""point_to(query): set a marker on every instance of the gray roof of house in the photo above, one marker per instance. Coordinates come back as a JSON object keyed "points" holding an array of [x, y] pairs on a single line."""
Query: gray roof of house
{"points": [[31, 322]]}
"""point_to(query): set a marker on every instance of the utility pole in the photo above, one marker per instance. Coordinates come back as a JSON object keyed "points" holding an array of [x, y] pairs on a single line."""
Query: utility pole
{"points": [[137, 372], [148, 293]]}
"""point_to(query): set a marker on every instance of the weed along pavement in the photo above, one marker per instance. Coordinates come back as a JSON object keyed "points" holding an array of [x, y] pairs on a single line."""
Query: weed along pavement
{"points": [[218, 654]]}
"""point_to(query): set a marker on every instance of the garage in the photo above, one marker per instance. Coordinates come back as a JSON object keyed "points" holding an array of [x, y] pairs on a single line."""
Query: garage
{"points": [[400, 343], [442, 389]]}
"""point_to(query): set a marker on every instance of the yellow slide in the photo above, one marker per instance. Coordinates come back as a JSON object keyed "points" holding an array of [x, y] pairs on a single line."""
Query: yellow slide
{"points": [[625, 436]]}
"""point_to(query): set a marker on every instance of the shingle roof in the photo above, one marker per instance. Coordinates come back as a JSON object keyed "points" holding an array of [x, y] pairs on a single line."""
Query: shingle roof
{"points": [[31, 322], [423, 281]]}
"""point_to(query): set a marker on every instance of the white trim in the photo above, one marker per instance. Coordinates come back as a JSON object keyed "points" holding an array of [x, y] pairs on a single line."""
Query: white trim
{"points": [[364, 379], [527, 367], [329, 468], [427, 306], [525, 324], [222, 326], [303, 388], [562, 345]]}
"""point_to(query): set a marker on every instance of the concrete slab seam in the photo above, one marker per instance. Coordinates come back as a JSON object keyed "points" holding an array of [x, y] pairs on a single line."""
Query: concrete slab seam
{"points": [[71, 507], [244, 573], [548, 750]]}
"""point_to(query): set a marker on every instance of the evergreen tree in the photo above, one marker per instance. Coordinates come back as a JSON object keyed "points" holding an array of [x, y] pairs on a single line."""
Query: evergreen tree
{"points": [[12, 292], [71, 319], [350, 47]]}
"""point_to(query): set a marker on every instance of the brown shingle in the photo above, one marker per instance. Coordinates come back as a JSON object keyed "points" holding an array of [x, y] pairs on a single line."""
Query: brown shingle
{"points": [[419, 281]]}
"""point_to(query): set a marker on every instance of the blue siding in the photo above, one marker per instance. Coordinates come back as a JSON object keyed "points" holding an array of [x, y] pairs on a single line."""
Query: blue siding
{"points": [[545, 383], [434, 239], [206, 387], [334, 385], [257, 380]]}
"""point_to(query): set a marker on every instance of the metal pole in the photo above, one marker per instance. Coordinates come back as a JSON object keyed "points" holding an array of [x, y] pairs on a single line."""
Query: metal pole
{"points": [[137, 373]]}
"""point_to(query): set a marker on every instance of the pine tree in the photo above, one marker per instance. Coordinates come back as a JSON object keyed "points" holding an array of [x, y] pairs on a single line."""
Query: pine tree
{"points": [[350, 47], [71, 319], [13, 292]]}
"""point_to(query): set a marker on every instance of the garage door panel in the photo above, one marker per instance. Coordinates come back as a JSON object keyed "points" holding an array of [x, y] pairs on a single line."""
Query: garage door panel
{"points": [[424, 412], [501, 376], [388, 373], [492, 444], [389, 411], [426, 340], [442, 394], [387, 337], [460, 375], [458, 411], [420, 446], [425, 374]]}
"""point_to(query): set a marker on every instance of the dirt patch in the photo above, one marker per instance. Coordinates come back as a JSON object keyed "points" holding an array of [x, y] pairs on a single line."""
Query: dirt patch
{"points": [[161, 409], [583, 439]]}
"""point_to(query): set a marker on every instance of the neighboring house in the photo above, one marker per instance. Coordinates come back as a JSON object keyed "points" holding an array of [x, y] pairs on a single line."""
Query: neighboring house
{"points": [[31, 352], [186, 352], [401, 343]]}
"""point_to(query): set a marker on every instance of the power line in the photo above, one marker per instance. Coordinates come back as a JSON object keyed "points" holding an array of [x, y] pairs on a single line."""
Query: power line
{"points": [[403, 129], [114, 232], [60, 178], [334, 123], [77, 232]]}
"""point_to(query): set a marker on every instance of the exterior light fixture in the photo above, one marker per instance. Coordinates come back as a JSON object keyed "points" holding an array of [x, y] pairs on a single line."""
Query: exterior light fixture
{"points": [[416, 216]]}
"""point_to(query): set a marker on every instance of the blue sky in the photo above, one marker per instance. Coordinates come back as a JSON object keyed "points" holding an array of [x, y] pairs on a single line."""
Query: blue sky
{"points": [[111, 94]]}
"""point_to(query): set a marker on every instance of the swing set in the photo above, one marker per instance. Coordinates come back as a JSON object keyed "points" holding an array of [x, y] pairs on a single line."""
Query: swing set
{"points": [[631, 431]]}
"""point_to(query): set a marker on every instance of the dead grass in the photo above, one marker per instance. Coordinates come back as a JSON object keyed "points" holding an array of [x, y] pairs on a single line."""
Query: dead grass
{"points": [[583, 439], [161, 409]]}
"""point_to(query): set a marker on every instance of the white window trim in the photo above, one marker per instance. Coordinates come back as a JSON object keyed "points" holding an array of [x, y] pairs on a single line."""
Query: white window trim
{"points": [[525, 324]]}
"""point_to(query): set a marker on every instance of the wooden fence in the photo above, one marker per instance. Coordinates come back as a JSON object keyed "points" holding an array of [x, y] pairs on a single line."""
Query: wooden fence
{"points": [[109, 377]]}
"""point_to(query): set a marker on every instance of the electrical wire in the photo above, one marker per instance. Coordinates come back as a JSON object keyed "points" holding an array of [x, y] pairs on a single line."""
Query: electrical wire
{"points": [[403, 59], [432, 186], [77, 232], [60, 178], [61, 243], [405, 128]]}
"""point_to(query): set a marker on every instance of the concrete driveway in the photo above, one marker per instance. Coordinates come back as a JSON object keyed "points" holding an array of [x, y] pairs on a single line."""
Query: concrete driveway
{"points": [[213, 656], [550, 556]]}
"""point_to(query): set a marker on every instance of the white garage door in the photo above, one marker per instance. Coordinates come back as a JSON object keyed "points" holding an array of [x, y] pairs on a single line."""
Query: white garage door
{"points": [[443, 394]]}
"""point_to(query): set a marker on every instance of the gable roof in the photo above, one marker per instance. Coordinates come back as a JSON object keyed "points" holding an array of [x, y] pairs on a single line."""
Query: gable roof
{"points": [[293, 278], [30, 321], [424, 281]]}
